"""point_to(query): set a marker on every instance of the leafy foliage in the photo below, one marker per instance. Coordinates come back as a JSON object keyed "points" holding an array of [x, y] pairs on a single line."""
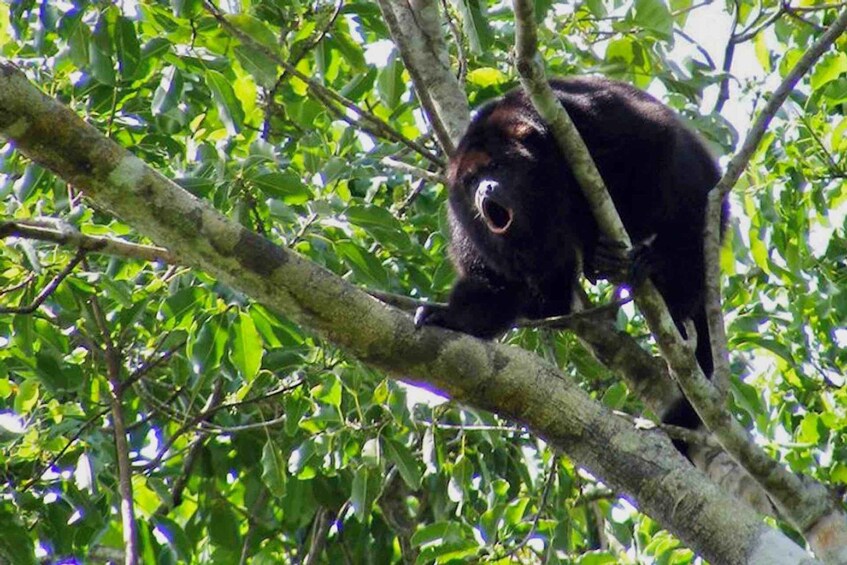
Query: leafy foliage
{"points": [[253, 439]]}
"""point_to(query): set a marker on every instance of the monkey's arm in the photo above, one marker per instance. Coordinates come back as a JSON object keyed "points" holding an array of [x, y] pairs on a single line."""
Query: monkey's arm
{"points": [[482, 305]]}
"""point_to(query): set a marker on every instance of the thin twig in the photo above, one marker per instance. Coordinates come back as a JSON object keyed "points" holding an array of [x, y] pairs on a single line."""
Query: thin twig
{"points": [[460, 45], [793, 14], [27, 280], [413, 170], [201, 420], [756, 26], [698, 47], [400, 301], [736, 167], [295, 59], [57, 231], [320, 530], [410, 199], [188, 463], [148, 366], [542, 504], [122, 452], [728, 55], [73, 439], [567, 320], [47, 290]]}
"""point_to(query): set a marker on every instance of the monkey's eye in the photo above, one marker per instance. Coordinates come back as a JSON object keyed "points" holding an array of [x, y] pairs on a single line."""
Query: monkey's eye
{"points": [[468, 180]]}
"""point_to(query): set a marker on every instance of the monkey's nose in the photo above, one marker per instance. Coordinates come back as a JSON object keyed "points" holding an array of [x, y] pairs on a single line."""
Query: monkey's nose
{"points": [[486, 187]]}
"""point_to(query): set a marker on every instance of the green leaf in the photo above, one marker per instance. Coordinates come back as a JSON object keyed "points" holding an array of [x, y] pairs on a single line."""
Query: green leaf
{"points": [[363, 493], [128, 48], [487, 76], [349, 49], [206, 347], [285, 186], [367, 268], [259, 65], [273, 468], [300, 457], [229, 107], [839, 473], [390, 81], [55, 377], [247, 348], [78, 36], [762, 51], [622, 51], [808, 430], [27, 397], [615, 396], [224, 527], [100, 54], [175, 536], [407, 464], [597, 558], [256, 29], [359, 85], [329, 391], [438, 532], [295, 408], [382, 225], [654, 15], [475, 23], [515, 511], [169, 92], [16, 545], [829, 68]]}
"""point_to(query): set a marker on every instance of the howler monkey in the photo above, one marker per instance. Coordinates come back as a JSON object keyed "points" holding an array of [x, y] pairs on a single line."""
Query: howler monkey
{"points": [[522, 230]]}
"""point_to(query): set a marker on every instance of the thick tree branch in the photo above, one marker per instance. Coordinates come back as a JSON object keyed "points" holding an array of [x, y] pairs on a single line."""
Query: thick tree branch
{"points": [[805, 504], [642, 465], [48, 229], [415, 26]]}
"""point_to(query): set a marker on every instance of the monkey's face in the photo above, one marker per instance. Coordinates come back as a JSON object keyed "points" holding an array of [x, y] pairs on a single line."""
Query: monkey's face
{"points": [[494, 191]]}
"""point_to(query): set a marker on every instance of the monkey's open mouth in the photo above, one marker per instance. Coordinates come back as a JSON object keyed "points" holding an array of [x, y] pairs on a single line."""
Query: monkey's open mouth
{"points": [[498, 218]]}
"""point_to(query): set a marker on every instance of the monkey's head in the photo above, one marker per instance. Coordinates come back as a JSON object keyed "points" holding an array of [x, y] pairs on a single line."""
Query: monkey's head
{"points": [[497, 173]]}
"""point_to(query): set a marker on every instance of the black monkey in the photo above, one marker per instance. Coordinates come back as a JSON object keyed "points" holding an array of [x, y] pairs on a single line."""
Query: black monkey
{"points": [[522, 231]]}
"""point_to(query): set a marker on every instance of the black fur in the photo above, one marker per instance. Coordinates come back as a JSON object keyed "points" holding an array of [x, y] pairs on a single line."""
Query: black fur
{"points": [[522, 231]]}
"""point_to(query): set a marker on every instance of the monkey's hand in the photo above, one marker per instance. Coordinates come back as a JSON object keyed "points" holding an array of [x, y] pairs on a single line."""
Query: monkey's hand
{"points": [[612, 261], [476, 307], [430, 315], [466, 320]]}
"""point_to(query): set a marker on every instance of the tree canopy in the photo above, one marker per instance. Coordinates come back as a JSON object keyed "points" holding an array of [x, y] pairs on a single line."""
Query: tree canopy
{"points": [[188, 373]]}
